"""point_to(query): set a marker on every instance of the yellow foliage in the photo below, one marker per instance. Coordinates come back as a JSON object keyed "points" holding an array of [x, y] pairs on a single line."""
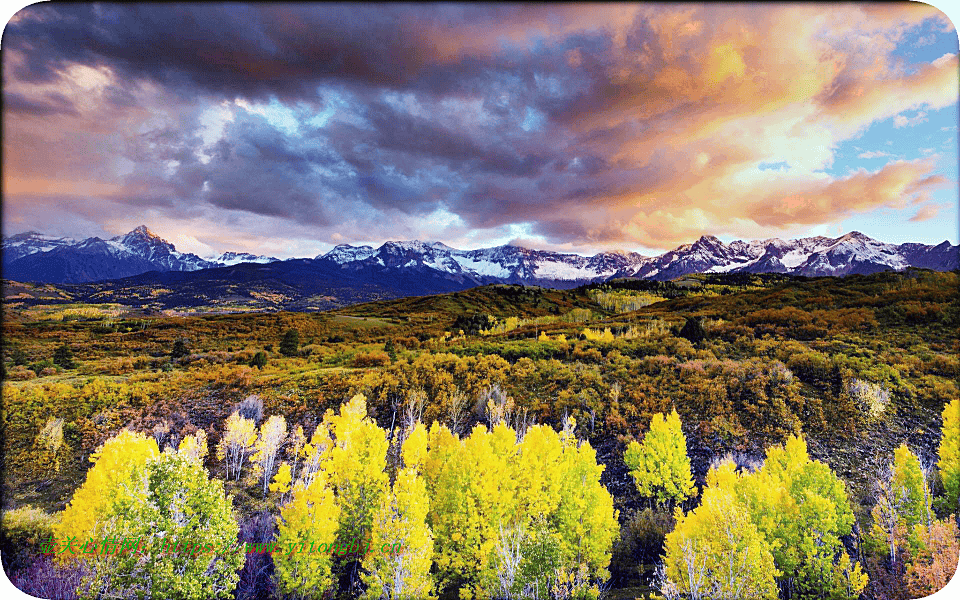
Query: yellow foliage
{"points": [[354, 460], [398, 566], [307, 521], [544, 488], [716, 552], [281, 481], [239, 437], [113, 463], [414, 450], [195, 446]]}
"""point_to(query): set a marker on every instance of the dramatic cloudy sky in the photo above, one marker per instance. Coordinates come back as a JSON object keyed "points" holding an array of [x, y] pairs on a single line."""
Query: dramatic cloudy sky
{"points": [[286, 129]]}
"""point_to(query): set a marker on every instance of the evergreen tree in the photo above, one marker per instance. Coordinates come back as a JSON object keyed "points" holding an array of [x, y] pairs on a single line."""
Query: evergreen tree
{"points": [[290, 344], [179, 350], [693, 331], [63, 357], [259, 360]]}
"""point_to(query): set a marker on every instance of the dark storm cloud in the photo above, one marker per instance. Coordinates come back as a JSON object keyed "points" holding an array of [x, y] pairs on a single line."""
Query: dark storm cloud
{"points": [[396, 131], [258, 169], [254, 51]]}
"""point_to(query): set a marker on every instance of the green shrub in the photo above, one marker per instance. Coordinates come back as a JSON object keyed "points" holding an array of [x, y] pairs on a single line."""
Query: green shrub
{"points": [[63, 357], [22, 531], [259, 360]]}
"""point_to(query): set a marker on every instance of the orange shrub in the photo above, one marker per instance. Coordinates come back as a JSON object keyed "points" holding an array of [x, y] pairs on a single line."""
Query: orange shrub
{"points": [[376, 358]]}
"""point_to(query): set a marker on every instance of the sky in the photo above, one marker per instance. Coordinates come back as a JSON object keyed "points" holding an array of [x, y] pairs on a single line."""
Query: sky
{"points": [[285, 129]]}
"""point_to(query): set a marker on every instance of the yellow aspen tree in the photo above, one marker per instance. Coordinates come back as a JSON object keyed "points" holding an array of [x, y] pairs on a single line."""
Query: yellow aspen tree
{"points": [[491, 497], [401, 546], [306, 534], [239, 437], [414, 450], [282, 481], [586, 520], [273, 433], [49, 445], [716, 552], [311, 455], [802, 510], [84, 517], [910, 483], [169, 498], [902, 504], [472, 491], [194, 446], [660, 465], [565, 522], [949, 456], [295, 447], [354, 459]]}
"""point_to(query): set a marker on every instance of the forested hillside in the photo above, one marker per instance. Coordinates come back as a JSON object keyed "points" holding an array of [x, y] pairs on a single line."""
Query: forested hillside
{"points": [[519, 441]]}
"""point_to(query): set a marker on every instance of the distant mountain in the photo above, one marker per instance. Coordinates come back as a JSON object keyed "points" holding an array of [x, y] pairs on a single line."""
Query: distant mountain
{"points": [[228, 259], [502, 264], [35, 257], [406, 268], [22, 244], [814, 256]]}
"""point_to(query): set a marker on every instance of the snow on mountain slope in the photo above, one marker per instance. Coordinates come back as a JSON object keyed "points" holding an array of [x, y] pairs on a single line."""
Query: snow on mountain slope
{"points": [[228, 259], [34, 257], [345, 253], [851, 253], [30, 242]]}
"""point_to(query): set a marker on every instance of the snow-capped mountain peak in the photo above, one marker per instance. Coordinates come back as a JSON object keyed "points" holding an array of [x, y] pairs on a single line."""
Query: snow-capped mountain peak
{"points": [[141, 231], [345, 253]]}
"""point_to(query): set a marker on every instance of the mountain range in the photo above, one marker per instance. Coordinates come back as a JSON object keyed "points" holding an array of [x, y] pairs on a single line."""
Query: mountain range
{"points": [[853, 253], [33, 256], [405, 268]]}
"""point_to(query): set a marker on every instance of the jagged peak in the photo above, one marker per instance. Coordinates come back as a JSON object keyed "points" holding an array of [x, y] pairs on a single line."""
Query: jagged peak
{"points": [[141, 232], [855, 235], [144, 231]]}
